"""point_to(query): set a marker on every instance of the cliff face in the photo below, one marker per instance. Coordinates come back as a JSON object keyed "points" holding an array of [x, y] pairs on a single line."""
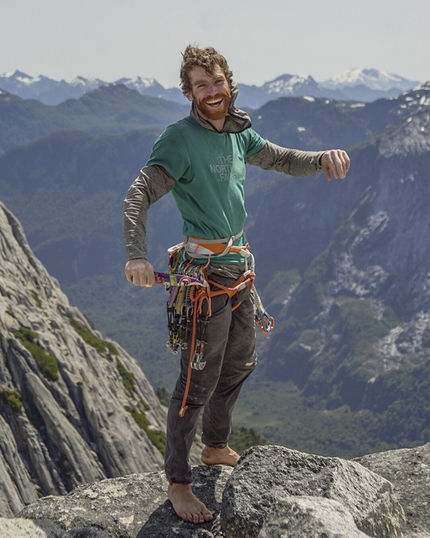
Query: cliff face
{"points": [[361, 309], [74, 408]]}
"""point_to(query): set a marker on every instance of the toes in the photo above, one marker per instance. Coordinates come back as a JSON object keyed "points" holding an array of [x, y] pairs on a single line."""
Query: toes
{"points": [[185, 516], [198, 518]]}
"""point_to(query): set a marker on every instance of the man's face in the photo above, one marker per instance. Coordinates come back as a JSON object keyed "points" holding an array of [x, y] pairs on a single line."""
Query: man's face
{"points": [[210, 93]]}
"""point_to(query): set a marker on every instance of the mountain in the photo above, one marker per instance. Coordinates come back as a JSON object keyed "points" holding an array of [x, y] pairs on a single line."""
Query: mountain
{"points": [[149, 86], [76, 187], [47, 90], [371, 78], [341, 294], [366, 85], [108, 109], [74, 407], [357, 84], [67, 188], [353, 314], [53, 92], [318, 123], [283, 86]]}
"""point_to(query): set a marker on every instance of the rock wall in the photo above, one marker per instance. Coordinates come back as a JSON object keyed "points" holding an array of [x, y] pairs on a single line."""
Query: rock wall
{"points": [[74, 407]]}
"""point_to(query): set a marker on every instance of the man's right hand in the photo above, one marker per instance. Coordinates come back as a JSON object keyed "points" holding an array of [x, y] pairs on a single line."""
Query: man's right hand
{"points": [[140, 272]]}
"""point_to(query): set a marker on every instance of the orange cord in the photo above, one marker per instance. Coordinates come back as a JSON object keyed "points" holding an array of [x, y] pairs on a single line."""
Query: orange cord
{"points": [[240, 284], [184, 407]]}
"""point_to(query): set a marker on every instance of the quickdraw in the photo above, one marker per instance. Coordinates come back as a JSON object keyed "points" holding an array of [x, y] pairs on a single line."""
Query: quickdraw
{"points": [[178, 280], [190, 288], [265, 322]]}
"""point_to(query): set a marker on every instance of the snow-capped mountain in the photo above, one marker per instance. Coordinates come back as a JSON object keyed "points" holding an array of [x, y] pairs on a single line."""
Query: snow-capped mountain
{"points": [[142, 85], [47, 90], [24, 85], [53, 92], [357, 84], [374, 79], [283, 86], [88, 84], [287, 85]]}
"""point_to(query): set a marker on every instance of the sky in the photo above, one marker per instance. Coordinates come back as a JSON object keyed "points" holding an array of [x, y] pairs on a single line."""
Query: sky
{"points": [[111, 39]]}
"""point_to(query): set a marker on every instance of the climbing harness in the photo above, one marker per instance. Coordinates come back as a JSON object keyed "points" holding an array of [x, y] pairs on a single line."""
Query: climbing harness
{"points": [[190, 288]]}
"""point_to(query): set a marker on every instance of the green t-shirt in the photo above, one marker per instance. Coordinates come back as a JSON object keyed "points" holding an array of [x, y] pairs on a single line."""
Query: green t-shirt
{"points": [[209, 169]]}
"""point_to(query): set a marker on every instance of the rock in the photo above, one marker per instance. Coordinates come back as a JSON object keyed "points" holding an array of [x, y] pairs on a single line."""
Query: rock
{"points": [[26, 528], [265, 474], [273, 492], [23, 528], [16, 486], [134, 505], [208, 484], [408, 470], [75, 408], [302, 517]]}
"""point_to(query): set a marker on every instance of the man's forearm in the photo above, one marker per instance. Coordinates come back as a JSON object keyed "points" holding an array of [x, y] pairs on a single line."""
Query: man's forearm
{"points": [[288, 161], [152, 183]]}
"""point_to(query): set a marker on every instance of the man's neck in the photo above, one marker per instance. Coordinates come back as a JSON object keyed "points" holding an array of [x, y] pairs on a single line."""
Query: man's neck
{"points": [[217, 124], [234, 122]]}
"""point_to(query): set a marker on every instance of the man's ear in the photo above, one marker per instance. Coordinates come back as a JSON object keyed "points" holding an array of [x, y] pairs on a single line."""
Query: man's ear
{"points": [[190, 96]]}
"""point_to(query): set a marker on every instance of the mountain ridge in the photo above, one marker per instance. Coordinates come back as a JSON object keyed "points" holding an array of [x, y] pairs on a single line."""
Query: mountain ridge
{"points": [[108, 109], [355, 84], [312, 276]]}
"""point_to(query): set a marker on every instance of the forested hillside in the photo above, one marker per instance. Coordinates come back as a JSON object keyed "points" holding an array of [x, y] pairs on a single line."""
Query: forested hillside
{"points": [[109, 109], [342, 265]]}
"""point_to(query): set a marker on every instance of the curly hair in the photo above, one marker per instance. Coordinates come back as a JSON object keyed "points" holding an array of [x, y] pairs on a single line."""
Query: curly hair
{"points": [[206, 58]]}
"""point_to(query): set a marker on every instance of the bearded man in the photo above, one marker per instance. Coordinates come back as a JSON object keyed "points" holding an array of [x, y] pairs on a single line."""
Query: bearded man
{"points": [[201, 159]]}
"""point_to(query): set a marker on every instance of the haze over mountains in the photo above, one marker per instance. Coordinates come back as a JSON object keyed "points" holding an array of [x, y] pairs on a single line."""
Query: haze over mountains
{"points": [[343, 266], [357, 84]]}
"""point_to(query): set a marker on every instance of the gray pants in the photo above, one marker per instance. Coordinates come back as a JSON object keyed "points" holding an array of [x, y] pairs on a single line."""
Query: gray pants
{"points": [[230, 358]]}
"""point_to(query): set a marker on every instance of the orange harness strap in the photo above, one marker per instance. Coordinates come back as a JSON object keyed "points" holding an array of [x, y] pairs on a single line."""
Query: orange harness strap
{"points": [[241, 283], [198, 295]]}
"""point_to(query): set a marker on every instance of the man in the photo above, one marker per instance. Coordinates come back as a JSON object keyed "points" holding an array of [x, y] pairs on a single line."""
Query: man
{"points": [[201, 159]]}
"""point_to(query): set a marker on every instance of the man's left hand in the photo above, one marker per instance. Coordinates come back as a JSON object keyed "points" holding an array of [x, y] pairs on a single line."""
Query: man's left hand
{"points": [[335, 163]]}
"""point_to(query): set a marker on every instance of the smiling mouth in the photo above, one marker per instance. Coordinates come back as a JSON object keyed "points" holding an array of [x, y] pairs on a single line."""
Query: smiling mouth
{"points": [[214, 103]]}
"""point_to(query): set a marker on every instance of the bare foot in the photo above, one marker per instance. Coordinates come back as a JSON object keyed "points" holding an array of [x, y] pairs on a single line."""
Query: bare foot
{"points": [[219, 456], [186, 504]]}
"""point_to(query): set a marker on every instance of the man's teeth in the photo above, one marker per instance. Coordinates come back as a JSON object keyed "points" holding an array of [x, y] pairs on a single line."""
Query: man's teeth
{"points": [[214, 102]]}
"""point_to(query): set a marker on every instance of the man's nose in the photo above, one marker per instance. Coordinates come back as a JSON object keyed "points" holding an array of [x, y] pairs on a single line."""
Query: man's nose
{"points": [[211, 89]]}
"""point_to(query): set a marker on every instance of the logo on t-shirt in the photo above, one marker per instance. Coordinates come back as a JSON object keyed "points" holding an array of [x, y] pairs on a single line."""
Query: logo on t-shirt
{"points": [[223, 168]]}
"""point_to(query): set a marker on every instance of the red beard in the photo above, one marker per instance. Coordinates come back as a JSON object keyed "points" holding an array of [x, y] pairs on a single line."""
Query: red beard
{"points": [[211, 113]]}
